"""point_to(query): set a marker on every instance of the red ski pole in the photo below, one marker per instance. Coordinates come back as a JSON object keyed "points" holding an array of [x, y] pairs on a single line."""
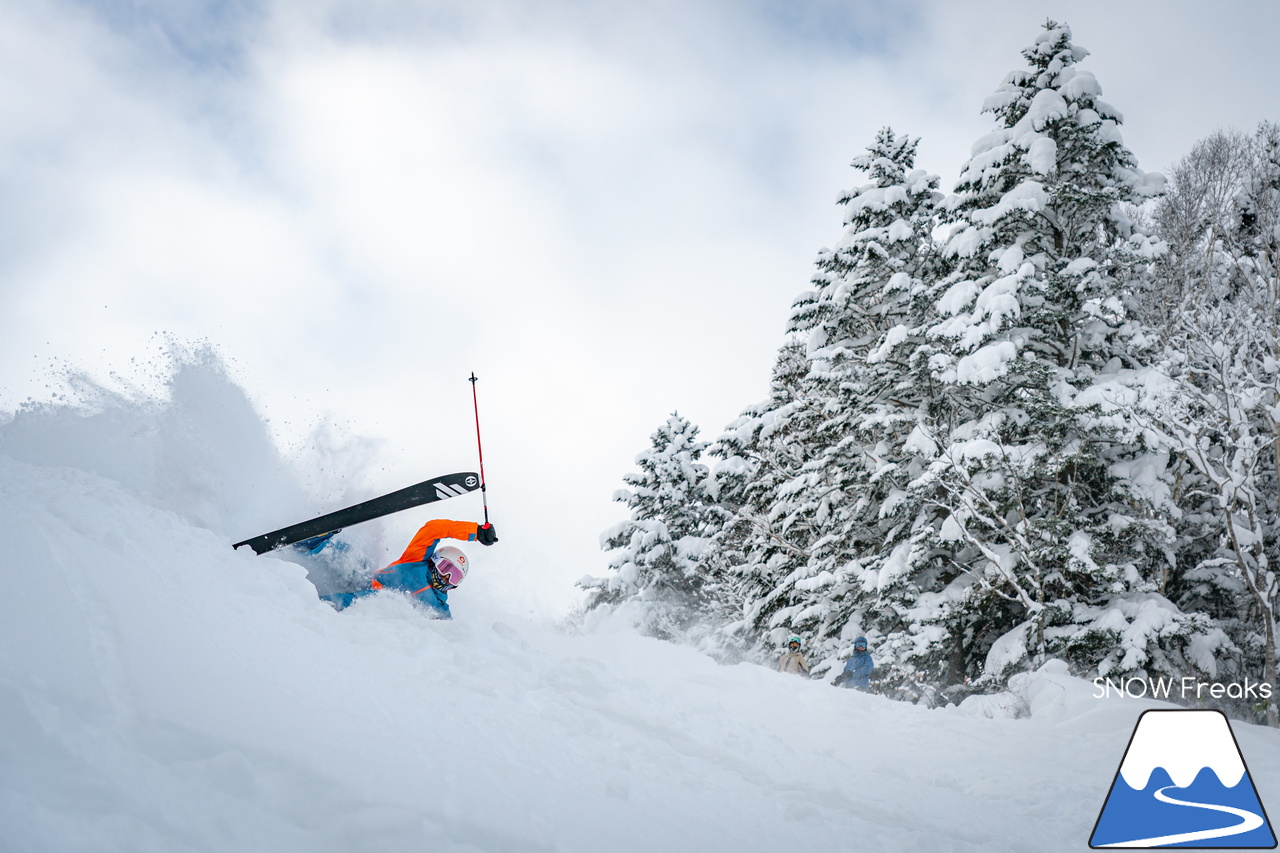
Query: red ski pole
{"points": [[484, 494]]}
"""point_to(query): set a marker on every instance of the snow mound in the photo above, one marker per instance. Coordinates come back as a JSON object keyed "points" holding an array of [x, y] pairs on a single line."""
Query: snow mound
{"points": [[1050, 693]]}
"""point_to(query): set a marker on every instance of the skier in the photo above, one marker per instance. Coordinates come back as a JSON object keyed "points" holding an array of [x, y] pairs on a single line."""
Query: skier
{"points": [[426, 571], [857, 669], [793, 660]]}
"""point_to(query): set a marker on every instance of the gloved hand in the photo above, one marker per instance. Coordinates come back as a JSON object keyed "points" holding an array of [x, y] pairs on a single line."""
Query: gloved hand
{"points": [[486, 535]]}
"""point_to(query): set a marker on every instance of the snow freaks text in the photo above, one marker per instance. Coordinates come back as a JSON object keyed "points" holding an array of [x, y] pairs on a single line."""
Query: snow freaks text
{"points": [[1184, 688]]}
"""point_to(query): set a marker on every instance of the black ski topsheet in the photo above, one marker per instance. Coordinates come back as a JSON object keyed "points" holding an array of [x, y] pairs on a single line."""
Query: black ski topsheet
{"points": [[437, 489]]}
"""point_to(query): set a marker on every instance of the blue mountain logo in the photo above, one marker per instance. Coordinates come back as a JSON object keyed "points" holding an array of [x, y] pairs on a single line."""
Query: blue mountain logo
{"points": [[1183, 783]]}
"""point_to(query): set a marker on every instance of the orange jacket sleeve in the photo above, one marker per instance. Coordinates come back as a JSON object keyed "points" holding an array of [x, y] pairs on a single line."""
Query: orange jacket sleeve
{"points": [[432, 532]]}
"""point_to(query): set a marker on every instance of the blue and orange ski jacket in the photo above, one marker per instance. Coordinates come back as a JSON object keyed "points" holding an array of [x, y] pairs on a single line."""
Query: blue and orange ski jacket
{"points": [[410, 573]]}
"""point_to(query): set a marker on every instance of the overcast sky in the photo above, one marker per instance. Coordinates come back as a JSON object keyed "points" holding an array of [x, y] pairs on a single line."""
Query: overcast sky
{"points": [[604, 209]]}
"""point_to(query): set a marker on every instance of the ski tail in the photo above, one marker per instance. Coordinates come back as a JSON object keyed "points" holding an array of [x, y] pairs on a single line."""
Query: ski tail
{"points": [[428, 491]]}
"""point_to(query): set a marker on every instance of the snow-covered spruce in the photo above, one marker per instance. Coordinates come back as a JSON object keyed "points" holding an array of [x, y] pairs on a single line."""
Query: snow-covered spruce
{"points": [[1034, 519], [822, 443], [656, 551], [764, 538]]}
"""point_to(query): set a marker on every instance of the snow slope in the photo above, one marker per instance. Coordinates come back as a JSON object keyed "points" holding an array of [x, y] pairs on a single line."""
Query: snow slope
{"points": [[161, 692]]}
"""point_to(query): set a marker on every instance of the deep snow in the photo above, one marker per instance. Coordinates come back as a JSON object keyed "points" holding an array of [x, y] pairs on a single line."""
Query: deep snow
{"points": [[161, 692]]}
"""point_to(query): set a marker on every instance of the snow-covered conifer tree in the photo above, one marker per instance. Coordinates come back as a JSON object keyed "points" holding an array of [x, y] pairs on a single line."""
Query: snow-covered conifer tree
{"points": [[763, 538], [656, 550], [1034, 530], [839, 433]]}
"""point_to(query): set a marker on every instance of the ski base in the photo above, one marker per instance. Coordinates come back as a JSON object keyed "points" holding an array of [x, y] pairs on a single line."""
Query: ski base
{"points": [[428, 491]]}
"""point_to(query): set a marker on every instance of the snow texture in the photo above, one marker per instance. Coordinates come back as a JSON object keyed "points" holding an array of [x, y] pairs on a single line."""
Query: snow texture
{"points": [[162, 693]]}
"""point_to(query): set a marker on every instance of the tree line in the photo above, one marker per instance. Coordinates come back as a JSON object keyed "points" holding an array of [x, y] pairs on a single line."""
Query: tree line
{"points": [[1037, 417]]}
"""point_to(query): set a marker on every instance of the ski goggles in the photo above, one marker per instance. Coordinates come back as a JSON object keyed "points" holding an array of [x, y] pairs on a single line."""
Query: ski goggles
{"points": [[448, 572]]}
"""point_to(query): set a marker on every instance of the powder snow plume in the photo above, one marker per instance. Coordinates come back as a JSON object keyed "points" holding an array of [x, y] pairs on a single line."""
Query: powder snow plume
{"points": [[198, 448]]}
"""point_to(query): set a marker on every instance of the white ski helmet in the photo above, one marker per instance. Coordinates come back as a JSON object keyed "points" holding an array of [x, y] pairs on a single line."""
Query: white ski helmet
{"points": [[450, 564]]}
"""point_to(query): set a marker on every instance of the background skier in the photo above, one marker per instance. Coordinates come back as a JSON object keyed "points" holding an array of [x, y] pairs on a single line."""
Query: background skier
{"points": [[857, 669], [425, 570], [793, 660]]}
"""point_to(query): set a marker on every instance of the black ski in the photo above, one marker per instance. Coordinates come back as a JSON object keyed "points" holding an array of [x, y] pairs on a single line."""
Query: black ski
{"points": [[438, 489]]}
